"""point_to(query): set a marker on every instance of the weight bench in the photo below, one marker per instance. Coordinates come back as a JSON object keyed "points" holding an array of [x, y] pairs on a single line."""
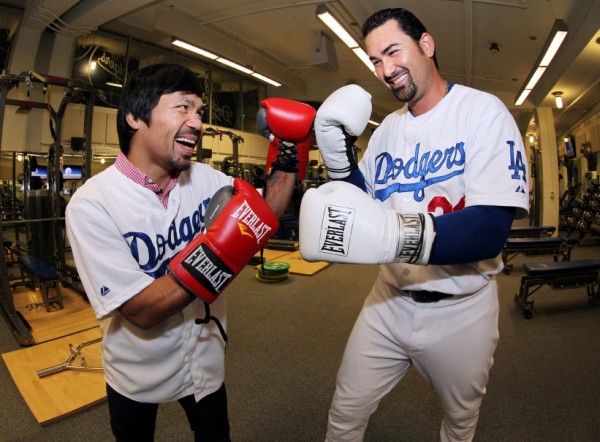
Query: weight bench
{"points": [[559, 276], [39, 273], [537, 246], [531, 232]]}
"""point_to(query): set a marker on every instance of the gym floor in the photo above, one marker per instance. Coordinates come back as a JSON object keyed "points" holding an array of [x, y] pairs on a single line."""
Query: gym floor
{"points": [[286, 341]]}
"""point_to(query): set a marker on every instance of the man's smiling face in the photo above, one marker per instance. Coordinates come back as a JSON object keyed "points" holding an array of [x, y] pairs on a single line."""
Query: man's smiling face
{"points": [[175, 126]]}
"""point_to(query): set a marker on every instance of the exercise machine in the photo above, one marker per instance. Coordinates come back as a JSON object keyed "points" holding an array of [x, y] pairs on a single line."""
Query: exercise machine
{"points": [[75, 92]]}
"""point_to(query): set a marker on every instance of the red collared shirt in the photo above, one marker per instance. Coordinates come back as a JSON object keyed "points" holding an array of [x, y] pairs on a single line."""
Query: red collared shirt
{"points": [[133, 173]]}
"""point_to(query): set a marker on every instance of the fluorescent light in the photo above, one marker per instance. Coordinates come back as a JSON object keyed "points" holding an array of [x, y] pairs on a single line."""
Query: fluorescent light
{"points": [[332, 23], [234, 65], [522, 97], [362, 55], [110, 83], [374, 123], [192, 48], [536, 77], [266, 79], [555, 40], [325, 16], [553, 48], [225, 61]]}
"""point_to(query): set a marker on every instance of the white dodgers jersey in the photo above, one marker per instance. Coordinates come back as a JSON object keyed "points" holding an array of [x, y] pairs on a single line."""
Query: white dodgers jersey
{"points": [[122, 239], [466, 151]]}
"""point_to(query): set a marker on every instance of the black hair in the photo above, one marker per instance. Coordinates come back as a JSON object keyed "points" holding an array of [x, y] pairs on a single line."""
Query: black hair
{"points": [[143, 91], [407, 22]]}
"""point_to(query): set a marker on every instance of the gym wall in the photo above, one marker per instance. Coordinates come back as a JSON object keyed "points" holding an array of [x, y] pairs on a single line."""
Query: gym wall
{"points": [[105, 141]]}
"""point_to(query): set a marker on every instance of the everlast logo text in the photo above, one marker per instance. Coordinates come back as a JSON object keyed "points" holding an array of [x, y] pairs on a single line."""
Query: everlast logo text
{"points": [[336, 230], [413, 238], [250, 220], [208, 269]]}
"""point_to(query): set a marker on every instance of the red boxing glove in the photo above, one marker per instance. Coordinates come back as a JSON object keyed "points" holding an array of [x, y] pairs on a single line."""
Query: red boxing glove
{"points": [[287, 124], [214, 258]]}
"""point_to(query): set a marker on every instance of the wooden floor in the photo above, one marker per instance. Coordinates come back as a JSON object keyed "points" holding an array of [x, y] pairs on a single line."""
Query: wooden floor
{"points": [[56, 333], [77, 314], [65, 392]]}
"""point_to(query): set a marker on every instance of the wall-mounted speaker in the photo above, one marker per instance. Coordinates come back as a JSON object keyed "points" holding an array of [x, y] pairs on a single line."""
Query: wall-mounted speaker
{"points": [[322, 53], [77, 144], [204, 154]]}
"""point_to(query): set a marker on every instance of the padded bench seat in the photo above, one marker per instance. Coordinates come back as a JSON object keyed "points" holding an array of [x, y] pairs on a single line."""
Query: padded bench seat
{"points": [[531, 232], [561, 268], [45, 276], [558, 247], [559, 276]]}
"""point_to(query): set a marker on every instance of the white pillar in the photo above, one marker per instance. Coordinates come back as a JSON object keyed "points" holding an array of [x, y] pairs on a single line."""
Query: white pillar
{"points": [[550, 192]]}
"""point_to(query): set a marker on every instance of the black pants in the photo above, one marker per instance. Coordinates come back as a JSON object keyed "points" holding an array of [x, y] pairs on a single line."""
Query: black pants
{"points": [[133, 421]]}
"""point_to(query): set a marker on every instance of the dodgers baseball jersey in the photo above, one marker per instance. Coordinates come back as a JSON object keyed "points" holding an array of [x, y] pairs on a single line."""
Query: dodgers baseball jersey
{"points": [[122, 239], [466, 151]]}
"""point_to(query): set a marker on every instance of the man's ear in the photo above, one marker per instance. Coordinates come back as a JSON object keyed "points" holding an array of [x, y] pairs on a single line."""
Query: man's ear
{"points": [[427, 44], [133, 122]]}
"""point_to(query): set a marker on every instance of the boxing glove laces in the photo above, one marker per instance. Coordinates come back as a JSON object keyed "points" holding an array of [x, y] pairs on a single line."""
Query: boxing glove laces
{"points": [[339, 121], [287, 124]]}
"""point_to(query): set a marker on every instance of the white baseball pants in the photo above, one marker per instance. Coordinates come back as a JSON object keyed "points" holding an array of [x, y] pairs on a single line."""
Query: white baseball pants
{"points": [[451, 343]]}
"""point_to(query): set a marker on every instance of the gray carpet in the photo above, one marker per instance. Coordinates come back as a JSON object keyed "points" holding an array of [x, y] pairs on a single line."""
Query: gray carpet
{"points": [[286, 342]]}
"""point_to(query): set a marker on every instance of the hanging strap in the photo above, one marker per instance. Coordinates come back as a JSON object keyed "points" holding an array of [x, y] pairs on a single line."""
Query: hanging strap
{"points": [[208, 317]]}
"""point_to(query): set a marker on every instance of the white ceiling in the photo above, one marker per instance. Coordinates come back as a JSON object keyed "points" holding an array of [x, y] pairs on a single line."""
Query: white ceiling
{"points": [[275, 36]]}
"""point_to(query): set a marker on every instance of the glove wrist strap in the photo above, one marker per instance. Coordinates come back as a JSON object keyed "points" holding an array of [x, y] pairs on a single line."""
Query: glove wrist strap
{"points": [[208, 317], [417, 233]]}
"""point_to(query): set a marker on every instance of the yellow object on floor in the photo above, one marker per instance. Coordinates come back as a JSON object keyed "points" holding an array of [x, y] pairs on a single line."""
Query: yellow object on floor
{"points": [[272, 271]]}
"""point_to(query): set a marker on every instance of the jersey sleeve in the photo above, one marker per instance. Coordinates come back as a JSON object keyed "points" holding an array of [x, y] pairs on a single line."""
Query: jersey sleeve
{"points": [[496, 168], [109, 273]]}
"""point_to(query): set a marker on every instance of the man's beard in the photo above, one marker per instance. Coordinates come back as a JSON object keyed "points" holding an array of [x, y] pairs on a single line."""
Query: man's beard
{"points": [[182, 163], [178, 165], [405, 93]]}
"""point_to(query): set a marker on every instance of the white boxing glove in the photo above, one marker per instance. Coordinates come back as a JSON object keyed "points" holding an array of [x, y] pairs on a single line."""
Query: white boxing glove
{"points": [[340, 120], [341, 223]]}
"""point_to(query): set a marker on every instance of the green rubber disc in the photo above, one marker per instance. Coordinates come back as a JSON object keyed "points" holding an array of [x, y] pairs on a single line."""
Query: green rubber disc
{"points": [[274, 268]]}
